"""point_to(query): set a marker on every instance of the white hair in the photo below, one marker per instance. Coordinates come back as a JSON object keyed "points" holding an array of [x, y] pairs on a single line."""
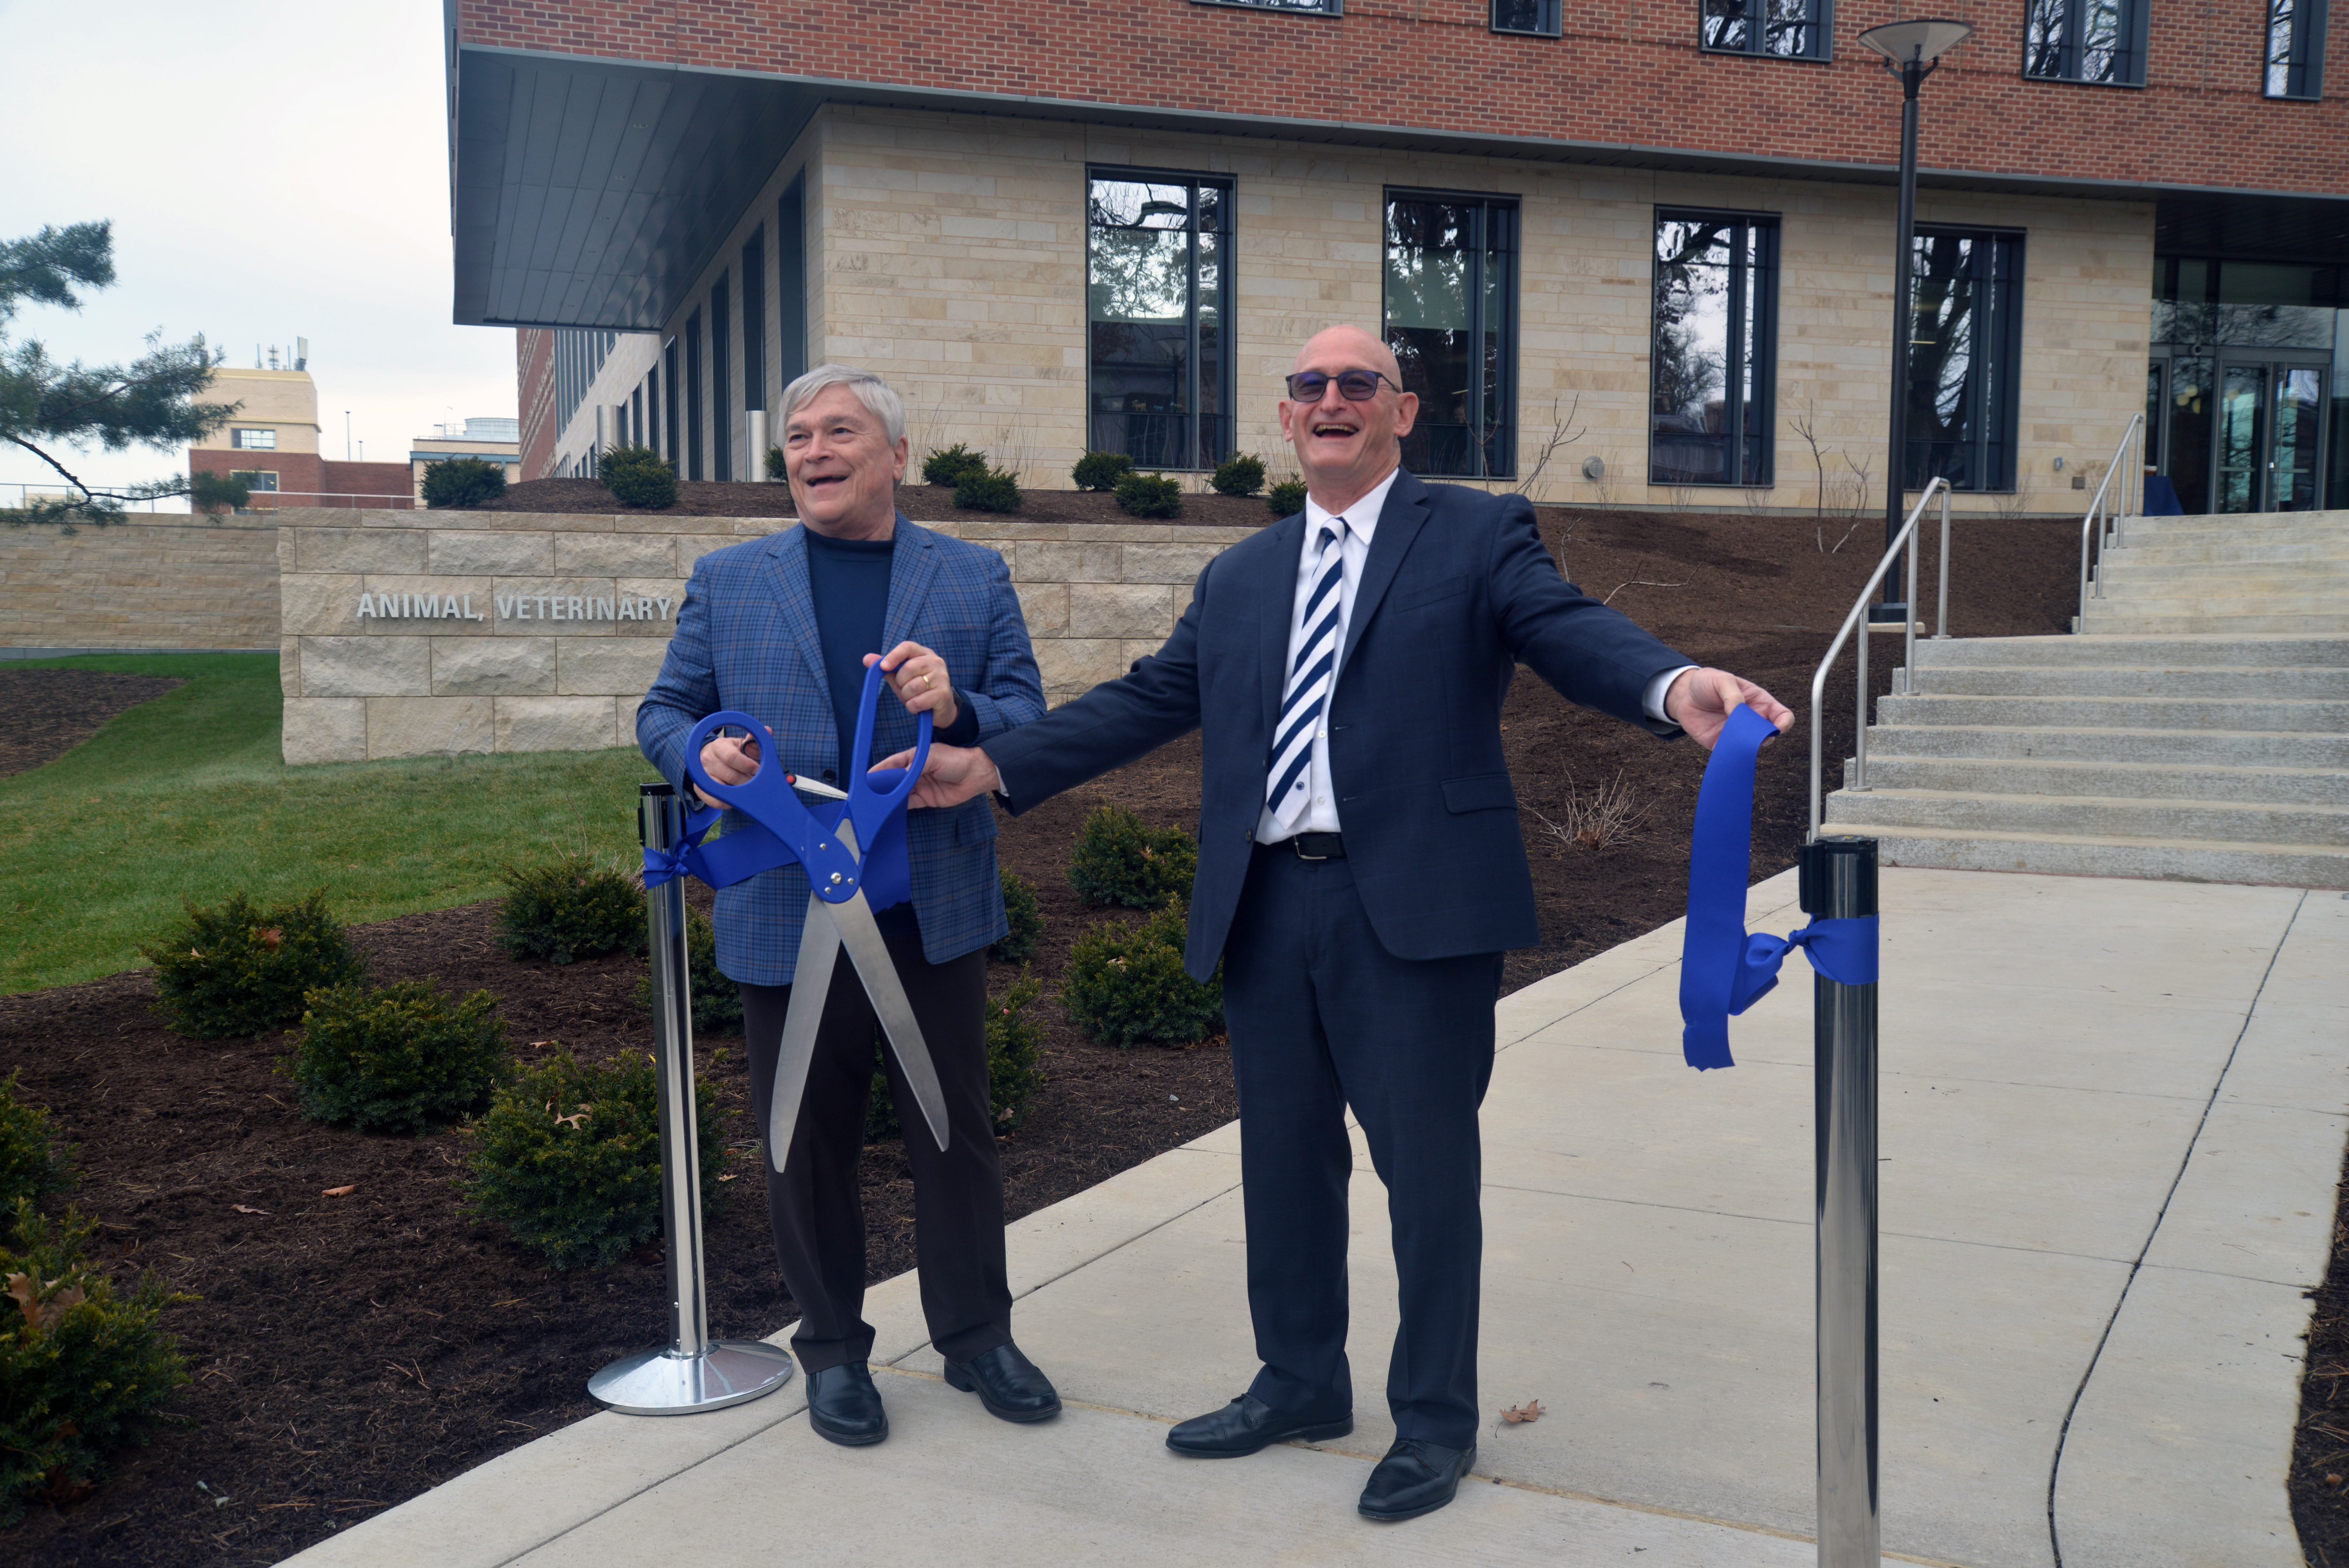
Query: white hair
{"points": [[876, 395]]}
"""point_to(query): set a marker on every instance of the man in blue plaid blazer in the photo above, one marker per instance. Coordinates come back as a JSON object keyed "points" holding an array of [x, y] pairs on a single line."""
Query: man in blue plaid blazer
{"points": [[782, 628]]}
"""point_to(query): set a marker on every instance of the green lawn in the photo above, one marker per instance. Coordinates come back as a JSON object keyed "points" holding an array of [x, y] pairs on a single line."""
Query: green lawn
{"points": [[185, 798]]}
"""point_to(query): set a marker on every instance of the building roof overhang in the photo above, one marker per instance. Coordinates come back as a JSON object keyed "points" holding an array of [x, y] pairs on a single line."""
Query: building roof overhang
{"points": [[592, 193]]}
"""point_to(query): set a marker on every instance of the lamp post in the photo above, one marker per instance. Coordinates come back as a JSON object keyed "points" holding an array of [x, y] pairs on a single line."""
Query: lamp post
{"points": [[1911, 51]]}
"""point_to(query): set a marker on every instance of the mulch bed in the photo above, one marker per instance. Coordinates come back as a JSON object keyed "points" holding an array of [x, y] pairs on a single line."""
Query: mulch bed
{"points": [[2318, 1482], [44, 714], [351, 1352]]}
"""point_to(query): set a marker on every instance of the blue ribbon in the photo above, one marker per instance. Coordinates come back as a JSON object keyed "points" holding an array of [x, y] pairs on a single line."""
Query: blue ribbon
{"points": [[1724, 971]]}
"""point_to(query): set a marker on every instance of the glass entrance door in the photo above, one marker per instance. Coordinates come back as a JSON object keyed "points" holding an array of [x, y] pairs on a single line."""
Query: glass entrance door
{"points": [[2271, 434]]}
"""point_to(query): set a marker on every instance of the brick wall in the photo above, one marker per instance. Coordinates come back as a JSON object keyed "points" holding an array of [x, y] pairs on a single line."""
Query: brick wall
{"points": [[1626, 72], [169, 582], [534, 368]]}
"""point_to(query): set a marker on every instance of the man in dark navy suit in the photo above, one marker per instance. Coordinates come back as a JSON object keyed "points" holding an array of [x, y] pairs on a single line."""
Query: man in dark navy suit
{"points": [[1361, 873]]}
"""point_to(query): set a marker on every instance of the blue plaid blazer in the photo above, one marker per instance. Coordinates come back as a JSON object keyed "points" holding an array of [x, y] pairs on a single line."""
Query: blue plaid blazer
{"points": [[746, 639]]}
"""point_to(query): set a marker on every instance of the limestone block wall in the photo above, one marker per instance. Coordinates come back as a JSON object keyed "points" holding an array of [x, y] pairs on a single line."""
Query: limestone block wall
{"points": [[410, 634], [162, 581]]}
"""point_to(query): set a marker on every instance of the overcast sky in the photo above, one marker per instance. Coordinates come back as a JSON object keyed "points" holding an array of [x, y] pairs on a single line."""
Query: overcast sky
{"points": [[272, 171]]}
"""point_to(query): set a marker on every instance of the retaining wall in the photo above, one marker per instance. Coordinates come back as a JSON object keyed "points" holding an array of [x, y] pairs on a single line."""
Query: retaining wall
{"points": [[165, 583]]}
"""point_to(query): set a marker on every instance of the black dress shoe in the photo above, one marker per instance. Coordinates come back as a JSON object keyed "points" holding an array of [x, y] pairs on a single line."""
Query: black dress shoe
{"points": [[1248, 1424], [1006, 1383], [1416, 1477], [844, 1406]]}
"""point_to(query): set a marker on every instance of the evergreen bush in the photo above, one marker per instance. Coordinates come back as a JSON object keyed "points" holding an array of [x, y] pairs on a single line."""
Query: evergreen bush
{"points": [[988, 490], [1014, 1045], [638, 477], [238, 970], [1120, 859], [717, 1001], [1101, 470], [398, 1058], [79, 1364], [1150, 495], [775, 466], [1240, 475], [947, 466], [462, 481], [1025, 916], [570, 907], [1127, 983], [1286, 498], [568, 1157], [31, 1163]]}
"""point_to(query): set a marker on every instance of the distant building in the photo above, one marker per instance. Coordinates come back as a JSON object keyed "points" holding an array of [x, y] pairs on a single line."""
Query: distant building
{"points": [[492, 440], [272, 442]]}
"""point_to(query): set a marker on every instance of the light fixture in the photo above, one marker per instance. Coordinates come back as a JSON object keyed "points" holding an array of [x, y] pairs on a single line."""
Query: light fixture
{"points": [[1917, 43]]}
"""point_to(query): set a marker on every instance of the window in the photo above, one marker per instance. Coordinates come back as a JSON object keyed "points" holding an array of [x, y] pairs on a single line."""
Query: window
{"points": [[1451, 309], [2085, 41], [254, 441], [1964, 341], [1158, 296], [669, 447], [1716, 346], [2295, 49], [692, 464], [1787, 29], [635, 427], [722, 419], [264, 482], [1306, 8], [1539, 17], [790, 274], [754, 327]]}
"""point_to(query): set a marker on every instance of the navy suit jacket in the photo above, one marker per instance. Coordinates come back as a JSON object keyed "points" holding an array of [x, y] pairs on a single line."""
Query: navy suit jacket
{"points": [[1456, 592]]}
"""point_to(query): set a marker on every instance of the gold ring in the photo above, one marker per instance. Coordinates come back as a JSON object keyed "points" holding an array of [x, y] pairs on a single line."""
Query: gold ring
{"points": [[925, 683]]}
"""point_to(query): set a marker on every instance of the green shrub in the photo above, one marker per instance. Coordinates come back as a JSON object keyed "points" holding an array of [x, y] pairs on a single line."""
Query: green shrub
{"points": [[988, 490], [77, 1364], [1241, 475], [237, 970], [638, 477], [399, 1058], [570, 907], [947, 467], [1125, 984], [1101, 470], [1120, 859], [462, 481], [568, 1157], [1026, 919], [717, 1001], [31, 1164], [775, 468], [1015, 1043], [1286, 498], [1150, 495]]}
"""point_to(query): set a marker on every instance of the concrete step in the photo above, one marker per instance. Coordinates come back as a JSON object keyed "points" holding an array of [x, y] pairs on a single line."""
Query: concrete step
{"points": [[2158, 618], [2211, 748], [2161, 780], [2172, 652], [2317, 576], [2231, 821], [2278, 552], [2285, 865], [2153, 680], [2303, 716], [2238, 523], [2220, 600]]}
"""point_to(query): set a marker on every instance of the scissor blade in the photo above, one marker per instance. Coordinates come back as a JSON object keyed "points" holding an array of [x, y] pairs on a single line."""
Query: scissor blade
{"points": [[810, 984], [855, 930]]}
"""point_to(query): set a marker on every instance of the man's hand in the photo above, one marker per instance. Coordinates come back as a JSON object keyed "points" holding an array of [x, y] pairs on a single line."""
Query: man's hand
{"points": [[953, 775], [1700, 701], [730, 761], [919, 678]]}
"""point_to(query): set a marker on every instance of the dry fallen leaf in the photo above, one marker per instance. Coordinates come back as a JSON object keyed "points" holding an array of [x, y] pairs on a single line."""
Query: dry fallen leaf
{"points": [[1530, 1410], [247, 1209], [341, 1191]]}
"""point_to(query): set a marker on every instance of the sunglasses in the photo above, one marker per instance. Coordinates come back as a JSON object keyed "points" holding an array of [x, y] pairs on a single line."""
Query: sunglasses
{"points": [[1354, 386]]}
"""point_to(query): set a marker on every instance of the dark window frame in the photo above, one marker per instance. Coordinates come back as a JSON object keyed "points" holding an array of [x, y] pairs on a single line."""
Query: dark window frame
{"points": [[668, 405], [1329, 8], [754, 326], [721, 411], [239, 444], [1738, 418], [1505, 427], [2303, 52], [691, 468], [1820, 21], [2006, 368], [635, 436], [790, 281], [2135, 30], [1204, 450], [1549, 24]]}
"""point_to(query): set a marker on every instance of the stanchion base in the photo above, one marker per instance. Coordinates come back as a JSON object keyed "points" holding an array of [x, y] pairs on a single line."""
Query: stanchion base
{"points": [[662, 1383]]}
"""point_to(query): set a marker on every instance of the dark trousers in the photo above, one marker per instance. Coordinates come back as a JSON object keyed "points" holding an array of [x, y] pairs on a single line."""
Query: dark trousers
{"points": [[819, 1216], [1322, 1017]]}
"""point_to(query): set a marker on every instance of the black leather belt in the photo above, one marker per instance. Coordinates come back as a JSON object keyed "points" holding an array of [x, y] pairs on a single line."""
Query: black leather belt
{"points": [[1313, 846]]}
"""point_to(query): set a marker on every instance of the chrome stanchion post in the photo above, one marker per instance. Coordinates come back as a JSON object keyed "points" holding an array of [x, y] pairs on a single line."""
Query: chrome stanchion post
{"points": [[1837, 877], [692, 1372], [1941, 629]]}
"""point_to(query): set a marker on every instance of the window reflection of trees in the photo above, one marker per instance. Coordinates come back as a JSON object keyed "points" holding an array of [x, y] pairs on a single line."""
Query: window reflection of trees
{"points": [[1785, 28], [1960, 377], [1709, 420], [1448, 298], [2076, 40], [1158, 364]]}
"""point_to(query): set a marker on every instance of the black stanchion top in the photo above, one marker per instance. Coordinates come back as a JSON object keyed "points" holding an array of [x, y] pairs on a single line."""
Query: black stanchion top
{"points": [[1836, 877]]}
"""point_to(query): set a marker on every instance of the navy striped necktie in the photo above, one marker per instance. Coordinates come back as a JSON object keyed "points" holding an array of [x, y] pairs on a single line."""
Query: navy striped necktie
{"points": [[1306, 693]]}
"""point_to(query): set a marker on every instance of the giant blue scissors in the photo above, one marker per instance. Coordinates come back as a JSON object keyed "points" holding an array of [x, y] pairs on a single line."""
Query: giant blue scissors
{"points": [[854, 854]]}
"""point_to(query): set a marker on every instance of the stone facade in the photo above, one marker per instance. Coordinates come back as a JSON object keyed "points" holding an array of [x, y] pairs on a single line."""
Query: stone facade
{"points": [[150, 582], [410, 634]]}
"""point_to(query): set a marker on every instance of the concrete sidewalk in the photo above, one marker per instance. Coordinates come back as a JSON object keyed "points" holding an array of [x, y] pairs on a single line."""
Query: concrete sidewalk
{"points": [[2113, 1120]]}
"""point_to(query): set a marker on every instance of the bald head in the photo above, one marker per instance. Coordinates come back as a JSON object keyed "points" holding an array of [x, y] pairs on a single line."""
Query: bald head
{"points": [[1347, 449], [1336, 348]]}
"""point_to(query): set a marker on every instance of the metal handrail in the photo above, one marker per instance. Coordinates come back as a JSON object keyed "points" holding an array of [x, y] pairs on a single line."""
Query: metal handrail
{"points": [[1858, 779], [2096, 511]]}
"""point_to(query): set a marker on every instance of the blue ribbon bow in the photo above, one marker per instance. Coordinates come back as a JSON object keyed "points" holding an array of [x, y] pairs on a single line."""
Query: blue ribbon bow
{"points": [[1724, 971]]}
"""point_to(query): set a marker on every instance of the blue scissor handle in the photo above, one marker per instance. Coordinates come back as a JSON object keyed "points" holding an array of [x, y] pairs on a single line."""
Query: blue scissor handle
{"points": [[870, 804], [767, 801]]}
